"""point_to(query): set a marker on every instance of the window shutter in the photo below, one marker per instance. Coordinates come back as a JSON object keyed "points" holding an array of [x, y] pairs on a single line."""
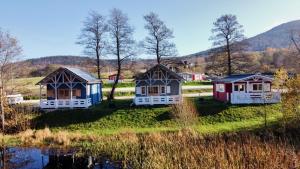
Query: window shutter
{"points": [[138, 90], [168, 89]]}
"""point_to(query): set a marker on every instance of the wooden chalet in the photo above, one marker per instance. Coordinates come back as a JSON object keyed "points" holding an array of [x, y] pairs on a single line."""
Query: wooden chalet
{"points": [[246, 89], [70, 88], [158, 85]]}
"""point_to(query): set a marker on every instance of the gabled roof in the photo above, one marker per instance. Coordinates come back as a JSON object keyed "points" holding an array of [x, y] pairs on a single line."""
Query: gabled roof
{"points": [[238, 77], [162, 67], [80, 74]]}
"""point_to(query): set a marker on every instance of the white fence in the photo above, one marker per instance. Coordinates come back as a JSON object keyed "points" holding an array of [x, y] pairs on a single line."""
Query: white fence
{"points": [[249, 98], [65, 103], [153, 100]]}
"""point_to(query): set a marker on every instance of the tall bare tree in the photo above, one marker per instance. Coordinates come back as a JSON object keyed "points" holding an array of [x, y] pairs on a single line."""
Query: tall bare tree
{"points": [[122, 43], [227, 32], [158, 40], [93, 37], [9, 50]]}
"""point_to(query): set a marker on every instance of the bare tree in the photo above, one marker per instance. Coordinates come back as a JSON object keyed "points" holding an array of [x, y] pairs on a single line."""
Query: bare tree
{"points": [[122, 43], [295, 40], [227, 32], [9, 50], [93, 37], [157, 42]]}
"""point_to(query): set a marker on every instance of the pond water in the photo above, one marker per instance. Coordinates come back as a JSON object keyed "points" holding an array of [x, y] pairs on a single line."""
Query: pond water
{"points": [[35, 158]]}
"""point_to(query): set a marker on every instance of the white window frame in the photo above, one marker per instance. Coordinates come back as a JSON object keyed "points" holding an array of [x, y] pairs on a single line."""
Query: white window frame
{"points": [[239, 87], [258, 84], [163, 91], [145, 90], [220, 87], [158, 88], [159, 74]]}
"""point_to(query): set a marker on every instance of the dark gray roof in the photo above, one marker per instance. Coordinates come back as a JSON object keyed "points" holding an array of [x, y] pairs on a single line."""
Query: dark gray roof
{"points": [[237, 77], [160, 66], [82, 75]]}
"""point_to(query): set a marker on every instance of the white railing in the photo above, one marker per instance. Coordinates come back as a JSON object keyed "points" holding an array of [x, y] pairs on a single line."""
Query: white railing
{"points": [[65, 103], [248, 98], [153, 100]]}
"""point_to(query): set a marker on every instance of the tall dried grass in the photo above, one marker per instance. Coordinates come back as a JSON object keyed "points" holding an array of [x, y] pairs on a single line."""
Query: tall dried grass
{"points": [[185, 113], [184, 149]]}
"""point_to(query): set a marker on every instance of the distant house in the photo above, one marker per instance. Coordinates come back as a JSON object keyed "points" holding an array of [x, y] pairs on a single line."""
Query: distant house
{"points": [[70, 88], [112, 78], [158, 85], [192, 76], [245, 89]]}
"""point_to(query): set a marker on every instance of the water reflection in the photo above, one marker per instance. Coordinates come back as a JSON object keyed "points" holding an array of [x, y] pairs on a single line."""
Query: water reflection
{"points": [[34, 158]]}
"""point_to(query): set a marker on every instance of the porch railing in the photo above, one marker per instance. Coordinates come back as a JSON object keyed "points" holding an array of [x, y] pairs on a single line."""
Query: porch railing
{"points": [[248, 98], [153, 100], [65, 103]]}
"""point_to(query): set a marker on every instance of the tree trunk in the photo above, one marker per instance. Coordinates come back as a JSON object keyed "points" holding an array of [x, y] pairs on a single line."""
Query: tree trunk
{"points": [[2, 109], [229, 57], [157, 51], [112, 93]]}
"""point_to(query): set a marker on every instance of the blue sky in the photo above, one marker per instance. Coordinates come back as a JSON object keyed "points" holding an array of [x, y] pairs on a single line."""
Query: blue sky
{"points": [[51, 27]]}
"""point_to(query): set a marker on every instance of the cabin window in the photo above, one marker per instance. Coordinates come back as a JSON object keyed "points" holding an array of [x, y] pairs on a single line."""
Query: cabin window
{"points": [[239, 87], [220, 87], [50, 93], [257, 87], [76, 92], [143, 90], [153, 90], [157, 75], [162, 89], [63, 93]]}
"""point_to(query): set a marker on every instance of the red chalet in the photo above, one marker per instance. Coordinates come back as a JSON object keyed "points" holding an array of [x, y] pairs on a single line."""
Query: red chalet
{"points": [[112, 78], [245, 89]]}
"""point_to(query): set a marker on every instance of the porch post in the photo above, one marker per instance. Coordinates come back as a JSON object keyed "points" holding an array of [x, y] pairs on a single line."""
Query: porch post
{"points": [[263, 91], [247, 87], [40, 94], [71, 95], [55, 90]]}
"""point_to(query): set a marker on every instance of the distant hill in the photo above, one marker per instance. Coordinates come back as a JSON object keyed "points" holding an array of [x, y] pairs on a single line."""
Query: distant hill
{"points": [[277, 37]]}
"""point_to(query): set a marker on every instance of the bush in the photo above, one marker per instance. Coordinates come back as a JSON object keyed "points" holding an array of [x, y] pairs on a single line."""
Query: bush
{"points": [[185, 113]]}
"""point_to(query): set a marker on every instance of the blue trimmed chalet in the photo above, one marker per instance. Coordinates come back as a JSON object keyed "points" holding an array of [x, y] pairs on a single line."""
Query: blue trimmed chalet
{"points": [[69, 87]]}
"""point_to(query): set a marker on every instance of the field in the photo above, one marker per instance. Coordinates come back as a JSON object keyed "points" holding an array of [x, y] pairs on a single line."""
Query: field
{"points": [[221, 135], [213, 117]]}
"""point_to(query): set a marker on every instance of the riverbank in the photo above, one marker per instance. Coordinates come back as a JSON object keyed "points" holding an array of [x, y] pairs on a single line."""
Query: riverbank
{"points": [[212, 118]]}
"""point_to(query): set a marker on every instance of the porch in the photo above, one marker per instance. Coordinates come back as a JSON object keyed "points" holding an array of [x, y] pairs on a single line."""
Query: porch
{"points": [[255, 98], [157, 100], [65, 103]]}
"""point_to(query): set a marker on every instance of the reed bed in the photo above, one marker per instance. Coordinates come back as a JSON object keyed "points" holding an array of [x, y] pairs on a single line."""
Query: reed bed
{"points": [[184, 149]]}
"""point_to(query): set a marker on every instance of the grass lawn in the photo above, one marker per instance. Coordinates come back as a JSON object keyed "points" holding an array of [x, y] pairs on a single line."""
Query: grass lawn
{"points": [[214, 117]]}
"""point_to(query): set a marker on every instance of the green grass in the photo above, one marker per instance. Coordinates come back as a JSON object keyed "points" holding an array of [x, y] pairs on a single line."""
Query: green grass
{"points": [[213, 117], [197, 83], [124, 84]]}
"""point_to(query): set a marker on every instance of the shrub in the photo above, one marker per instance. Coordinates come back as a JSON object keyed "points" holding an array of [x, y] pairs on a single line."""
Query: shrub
{"points": [[185, 113]]}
